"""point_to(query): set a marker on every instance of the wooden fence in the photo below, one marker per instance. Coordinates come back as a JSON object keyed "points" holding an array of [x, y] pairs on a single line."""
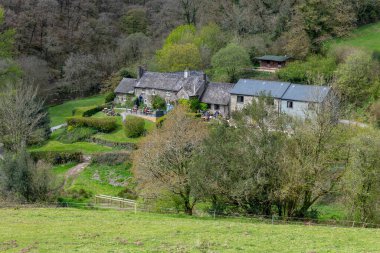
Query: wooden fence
{"points": [[112, 202]]}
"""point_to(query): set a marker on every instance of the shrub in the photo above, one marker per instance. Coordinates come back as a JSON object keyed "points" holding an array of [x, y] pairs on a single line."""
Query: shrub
{"points": [[158, 103], [76, 134], [375, 112], [111, 158], [134, 127], [57, 157], [22, 179], [110, 97], [160, 121], [88, 111], [101, 124]]}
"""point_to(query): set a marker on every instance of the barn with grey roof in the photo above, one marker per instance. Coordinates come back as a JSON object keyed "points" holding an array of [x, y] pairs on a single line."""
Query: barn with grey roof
{"points": [[293, 99]]}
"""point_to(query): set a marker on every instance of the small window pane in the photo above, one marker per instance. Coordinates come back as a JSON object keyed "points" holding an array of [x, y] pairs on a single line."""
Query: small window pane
{"points": [[240, 99]]}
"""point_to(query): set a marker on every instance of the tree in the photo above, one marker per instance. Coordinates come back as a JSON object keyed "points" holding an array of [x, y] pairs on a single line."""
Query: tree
{"points": [[162, 162], [9, 71], [228, 62], [357, 79], [179, 57], [83, 73], [313, 162], [135, 21], [23, 180], [239, 166], [362, 181], [22, 116], [182, 34]]}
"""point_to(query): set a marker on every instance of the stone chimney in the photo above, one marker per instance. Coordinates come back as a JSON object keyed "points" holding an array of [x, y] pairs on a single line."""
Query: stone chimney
{"points": [[141, 72]]}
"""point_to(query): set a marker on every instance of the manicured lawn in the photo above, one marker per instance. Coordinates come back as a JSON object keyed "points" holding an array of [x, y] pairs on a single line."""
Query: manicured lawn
{"points": [[103, 179], [60, 112], [85, 147], [366, 37], [118, 135], [75, 230]]}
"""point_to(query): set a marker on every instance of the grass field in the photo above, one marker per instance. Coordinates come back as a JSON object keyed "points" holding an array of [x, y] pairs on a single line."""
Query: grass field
{"points": [[60, 112], [103, 179], [366, 37], [74, 230], [85, 147]]}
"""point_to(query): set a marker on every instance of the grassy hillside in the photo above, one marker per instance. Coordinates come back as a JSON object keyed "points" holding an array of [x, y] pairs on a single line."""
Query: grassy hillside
{"points": [[366, 37], [69, 230], [60, 112]]}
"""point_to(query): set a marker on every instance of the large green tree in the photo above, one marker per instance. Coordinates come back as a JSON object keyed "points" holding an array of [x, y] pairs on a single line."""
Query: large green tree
{"points": [[229, 62]]}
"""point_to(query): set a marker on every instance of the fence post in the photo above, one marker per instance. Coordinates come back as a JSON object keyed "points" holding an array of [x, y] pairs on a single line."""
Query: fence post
{"points": [[135, 208], [272, 219], [214, 214]]}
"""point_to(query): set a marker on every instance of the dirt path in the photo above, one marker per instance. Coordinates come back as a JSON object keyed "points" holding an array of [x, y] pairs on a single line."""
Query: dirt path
{"points": [[75, 171]]}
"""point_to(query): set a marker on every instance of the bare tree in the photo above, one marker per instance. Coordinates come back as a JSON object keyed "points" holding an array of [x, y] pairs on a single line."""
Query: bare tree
{"points": [[162, 163], [21, 113]]}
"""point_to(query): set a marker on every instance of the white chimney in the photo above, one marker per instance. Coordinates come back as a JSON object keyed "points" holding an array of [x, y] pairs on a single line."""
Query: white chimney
{"points": [[186, 73]]}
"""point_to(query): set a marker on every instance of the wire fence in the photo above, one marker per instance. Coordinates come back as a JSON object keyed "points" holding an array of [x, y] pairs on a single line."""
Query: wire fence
{"points": [[211, 214]]}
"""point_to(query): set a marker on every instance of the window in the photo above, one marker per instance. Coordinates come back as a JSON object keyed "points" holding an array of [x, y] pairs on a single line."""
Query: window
{"points": [[240, 99], [154, 92], [289, 104], [216, 107]]}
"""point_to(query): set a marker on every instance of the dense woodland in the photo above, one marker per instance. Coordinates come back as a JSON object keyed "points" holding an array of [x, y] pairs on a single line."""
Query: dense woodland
{"points": [[76, 48]]}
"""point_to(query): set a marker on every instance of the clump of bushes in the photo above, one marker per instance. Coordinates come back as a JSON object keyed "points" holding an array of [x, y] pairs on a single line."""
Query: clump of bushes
{"points": [[105, 125], [160, 121], [111, 158], [88, 111], [158, 103], [71, 135], [56, 157], [134, 127], [110, 97]]}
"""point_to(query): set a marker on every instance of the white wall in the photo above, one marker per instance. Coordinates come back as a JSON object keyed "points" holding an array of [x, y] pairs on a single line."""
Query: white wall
{"points": [[300, 109]]}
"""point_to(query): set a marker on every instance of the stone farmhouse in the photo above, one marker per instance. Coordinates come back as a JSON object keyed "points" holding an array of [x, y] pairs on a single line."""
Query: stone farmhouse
{"points": [[293, 99]]}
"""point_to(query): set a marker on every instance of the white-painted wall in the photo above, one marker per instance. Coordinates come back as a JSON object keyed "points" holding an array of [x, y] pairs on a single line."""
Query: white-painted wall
{"points": [[300, 109]]}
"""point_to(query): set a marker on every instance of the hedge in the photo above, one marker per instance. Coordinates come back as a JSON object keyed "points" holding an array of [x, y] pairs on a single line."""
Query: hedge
{"points": [[88, 111], [111, 158], [57, 157], [105, 125]]}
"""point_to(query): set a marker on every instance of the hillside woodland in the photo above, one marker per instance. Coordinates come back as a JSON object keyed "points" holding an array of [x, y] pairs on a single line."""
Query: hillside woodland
{"points": [[55, 50]]}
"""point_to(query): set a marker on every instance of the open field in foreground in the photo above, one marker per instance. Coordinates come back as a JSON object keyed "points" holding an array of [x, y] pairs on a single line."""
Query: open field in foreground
{"points": [[74, 230]]}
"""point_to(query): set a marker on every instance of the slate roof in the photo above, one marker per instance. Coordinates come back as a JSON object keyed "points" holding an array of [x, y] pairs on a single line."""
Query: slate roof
{"points": [[306, 93], [173, 82], [273, 58], [259, 87], [126, 86], [217, 93]]}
